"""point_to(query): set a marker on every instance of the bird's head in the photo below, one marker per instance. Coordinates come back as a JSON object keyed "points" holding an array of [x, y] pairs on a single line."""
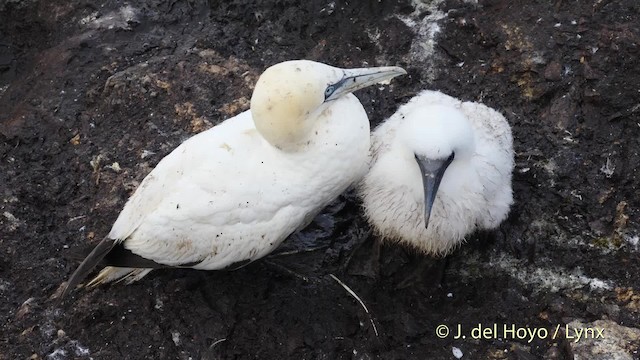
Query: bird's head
{"points": [[436, 136], [288, 94]]}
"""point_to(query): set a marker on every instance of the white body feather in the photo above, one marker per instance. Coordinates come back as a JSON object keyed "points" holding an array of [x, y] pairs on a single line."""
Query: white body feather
{"points": [[475, 192], [226, 195]]}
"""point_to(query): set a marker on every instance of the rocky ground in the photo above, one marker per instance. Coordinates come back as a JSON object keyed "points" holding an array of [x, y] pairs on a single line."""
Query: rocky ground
{"points": [[93, 96]]}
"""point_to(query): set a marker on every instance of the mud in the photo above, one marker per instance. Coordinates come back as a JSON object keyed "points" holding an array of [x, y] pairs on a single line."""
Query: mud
{"points": [[93, 96]]}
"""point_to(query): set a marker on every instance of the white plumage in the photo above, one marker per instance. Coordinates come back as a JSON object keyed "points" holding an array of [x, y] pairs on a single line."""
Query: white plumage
{"points": [[467, 144], [234, 192]]}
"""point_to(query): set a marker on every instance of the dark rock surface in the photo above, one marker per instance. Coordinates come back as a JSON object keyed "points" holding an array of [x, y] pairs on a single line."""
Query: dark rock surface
{"points": [[92, 96]]}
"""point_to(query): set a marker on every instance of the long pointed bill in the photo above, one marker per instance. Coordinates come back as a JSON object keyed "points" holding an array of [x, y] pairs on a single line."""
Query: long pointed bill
{"points": [[356, 79], [431, 171]]}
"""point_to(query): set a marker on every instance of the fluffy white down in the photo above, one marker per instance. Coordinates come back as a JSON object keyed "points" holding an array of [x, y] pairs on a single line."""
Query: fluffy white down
{"points": [[475, 192]]}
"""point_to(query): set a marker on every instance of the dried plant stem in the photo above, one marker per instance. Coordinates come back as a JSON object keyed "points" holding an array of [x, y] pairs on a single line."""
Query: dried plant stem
{"points": [[352, 293]]}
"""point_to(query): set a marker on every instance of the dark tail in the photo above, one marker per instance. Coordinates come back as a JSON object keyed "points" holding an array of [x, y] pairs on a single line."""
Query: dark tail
{"points": [[94, 257]]}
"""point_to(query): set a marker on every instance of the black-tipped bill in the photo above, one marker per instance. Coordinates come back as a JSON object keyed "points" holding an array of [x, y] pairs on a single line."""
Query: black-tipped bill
{"points": [[432, 171], [356, 79]]}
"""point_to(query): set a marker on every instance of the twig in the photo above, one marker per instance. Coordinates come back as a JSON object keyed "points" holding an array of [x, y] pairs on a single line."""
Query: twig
{"points": [[210, 350], [352, 293], [76, 218], [217, 342]]}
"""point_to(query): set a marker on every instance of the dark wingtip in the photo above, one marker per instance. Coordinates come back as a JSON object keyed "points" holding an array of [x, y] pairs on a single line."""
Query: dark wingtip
{"points": [[95, 256], [121, 257]]}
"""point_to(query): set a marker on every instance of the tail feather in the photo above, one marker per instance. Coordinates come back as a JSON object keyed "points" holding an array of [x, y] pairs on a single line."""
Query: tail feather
{"points": [[111, 273], [94, 257]]}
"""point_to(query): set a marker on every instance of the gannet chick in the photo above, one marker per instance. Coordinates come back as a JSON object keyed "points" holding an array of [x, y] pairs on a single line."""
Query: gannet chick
{"points": [[440, 169], [233, 193]]}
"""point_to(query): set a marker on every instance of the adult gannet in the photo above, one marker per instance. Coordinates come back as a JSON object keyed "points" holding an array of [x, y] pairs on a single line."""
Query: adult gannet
{"points": [[440, 169], [233, 193]]}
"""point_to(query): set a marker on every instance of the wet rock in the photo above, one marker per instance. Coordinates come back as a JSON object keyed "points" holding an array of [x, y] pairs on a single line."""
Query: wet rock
{"points": [[10, 221], [553, 71], [599, 226], [561, 113], [591, 95], [589, 73], [121, 19], [603, 340], [25, 308]]}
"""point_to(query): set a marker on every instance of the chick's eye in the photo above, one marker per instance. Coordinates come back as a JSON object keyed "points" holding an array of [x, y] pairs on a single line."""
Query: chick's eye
{"points": [[330, 89]]}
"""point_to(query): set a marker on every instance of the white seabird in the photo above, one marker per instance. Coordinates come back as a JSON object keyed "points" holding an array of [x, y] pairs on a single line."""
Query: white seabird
{"points": [[233, 193], [440, 169]]}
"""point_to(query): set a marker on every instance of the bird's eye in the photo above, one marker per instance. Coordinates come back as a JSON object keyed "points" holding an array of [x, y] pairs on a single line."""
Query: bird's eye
{"points": [[330, 89]]}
